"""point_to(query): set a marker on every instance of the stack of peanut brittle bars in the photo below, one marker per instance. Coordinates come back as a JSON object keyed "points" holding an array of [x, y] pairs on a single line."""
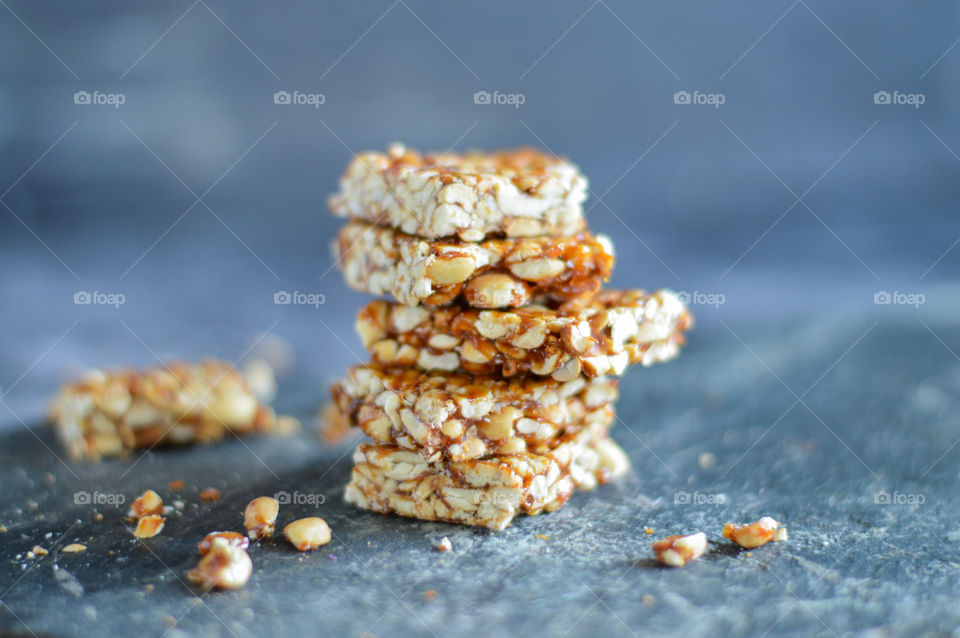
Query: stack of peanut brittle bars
{"points": [[493, 369]]}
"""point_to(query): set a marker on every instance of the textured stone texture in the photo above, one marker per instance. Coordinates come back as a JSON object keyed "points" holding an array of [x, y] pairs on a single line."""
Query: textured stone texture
{"points": [[878, 420]]}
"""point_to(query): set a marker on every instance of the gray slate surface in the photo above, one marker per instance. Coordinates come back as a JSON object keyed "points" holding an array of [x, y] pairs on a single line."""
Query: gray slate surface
{"points": [[879, 419]]}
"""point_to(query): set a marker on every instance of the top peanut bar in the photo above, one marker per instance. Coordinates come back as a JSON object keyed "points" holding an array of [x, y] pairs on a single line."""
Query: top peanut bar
{"points": [[518, 193]]}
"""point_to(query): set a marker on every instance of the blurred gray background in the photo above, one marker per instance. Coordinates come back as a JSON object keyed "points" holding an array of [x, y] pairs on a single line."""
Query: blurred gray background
{"points": [[199, 197]]}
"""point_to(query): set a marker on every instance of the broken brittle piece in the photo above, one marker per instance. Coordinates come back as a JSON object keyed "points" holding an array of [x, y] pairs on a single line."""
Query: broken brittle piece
{"points": [[755, 534], [678, 550], [110, 412]]}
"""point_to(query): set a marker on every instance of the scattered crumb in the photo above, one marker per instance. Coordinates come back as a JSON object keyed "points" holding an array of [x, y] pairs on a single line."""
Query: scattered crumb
{"points": [[444, 545], [648, 600], [225, 566], [755, 534], [39, 551], [210, 494], [287, 425], [430, 595], [648, 530], [678, 550], [3, 529], [97, 516], [147, 504], [748, 554], [178, 505], [706, 460], [73, 548], [149, 526], [176, 485], [148, 588], [543, 537]]}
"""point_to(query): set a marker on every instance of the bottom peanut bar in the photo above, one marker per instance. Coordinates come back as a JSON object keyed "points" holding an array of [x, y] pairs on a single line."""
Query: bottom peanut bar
{"points": [[108, 413], [485, 492]]}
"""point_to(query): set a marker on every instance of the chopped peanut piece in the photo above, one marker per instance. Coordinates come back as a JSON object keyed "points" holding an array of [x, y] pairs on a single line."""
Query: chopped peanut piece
{"points": [[176, 485], [260, 517], [149, 526], [235, 539], [147, 504], [444, 545], [39, 551], [225, 566], [755, 534], [677, 551], [73, 548], [307, 534], [210, 494]]}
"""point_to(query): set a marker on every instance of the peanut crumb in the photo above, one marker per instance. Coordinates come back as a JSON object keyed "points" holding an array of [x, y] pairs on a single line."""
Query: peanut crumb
{"points": [[648, 600], [543, 537], [176, 485], [648, 530], [225, 566], [444, 545], [260, 517], [39, 551], [211, 494], [73, 548], [147, 504], [430, 595], [307, 534], [149, 526], [678, 550], [755, 534]]}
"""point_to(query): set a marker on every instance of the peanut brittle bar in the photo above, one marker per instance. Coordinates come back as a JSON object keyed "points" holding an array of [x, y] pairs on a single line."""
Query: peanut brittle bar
{"points": [[518, 193], [494, 273], [462, 416], [615, 329], [486, 492], [109, 412]]}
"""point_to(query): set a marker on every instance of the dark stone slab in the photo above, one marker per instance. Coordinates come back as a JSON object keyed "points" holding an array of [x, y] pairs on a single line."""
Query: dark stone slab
{"points": [[847, 429]]}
